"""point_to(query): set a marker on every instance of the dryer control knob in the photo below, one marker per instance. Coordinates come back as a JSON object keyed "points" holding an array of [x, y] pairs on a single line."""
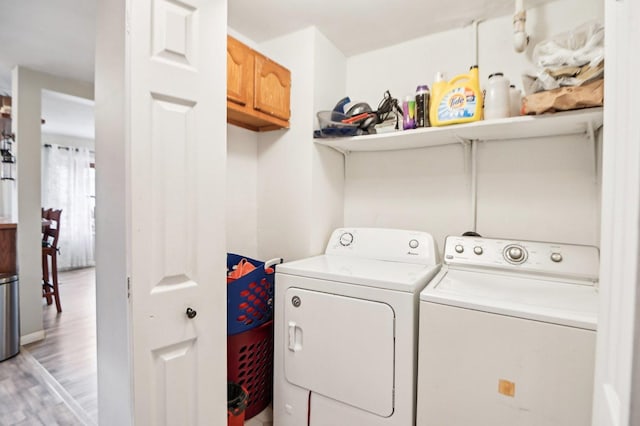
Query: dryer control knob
{"points": [[414, 244], [346, 239], [478, 250], [459, 249], [515, 254], [556, 257]]}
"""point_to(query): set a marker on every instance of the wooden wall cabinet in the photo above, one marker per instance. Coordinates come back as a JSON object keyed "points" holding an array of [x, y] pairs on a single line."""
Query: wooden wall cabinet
{"points": [[258, 89]]}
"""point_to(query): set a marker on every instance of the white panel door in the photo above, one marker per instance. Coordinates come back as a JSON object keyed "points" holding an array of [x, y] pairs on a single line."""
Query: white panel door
{"points": [[177, 160], [616, 396], [340, 347]]}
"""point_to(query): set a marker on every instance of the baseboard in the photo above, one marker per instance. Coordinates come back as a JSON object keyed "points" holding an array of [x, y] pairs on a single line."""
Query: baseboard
{"points": [[32, 337], [58, 389]]}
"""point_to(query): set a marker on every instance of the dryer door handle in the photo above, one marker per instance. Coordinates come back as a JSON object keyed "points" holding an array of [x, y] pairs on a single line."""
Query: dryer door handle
{"points": [[295, 337]]}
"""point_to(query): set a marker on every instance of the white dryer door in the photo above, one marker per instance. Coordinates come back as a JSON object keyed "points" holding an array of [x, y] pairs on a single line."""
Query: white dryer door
{"points": [[340, 347]]}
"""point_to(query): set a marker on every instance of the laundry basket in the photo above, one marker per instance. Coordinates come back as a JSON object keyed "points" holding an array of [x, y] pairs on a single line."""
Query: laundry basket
{"points": [[250, 364], [249, 297]]}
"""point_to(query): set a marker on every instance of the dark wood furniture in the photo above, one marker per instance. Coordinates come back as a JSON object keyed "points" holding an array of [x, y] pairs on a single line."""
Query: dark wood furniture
{"points": [[8, 257], [50, 236]]}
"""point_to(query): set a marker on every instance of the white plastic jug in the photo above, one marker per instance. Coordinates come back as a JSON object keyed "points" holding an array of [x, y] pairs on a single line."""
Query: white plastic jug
{"points": [[496, 99]]}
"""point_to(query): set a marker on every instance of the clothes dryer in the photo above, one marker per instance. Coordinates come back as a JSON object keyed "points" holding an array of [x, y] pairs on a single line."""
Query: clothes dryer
{"points": [[507, 335], [346, 329]]}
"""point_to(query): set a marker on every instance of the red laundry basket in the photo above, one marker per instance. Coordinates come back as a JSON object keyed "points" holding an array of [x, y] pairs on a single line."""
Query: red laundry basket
{"points": [[250, 364]]}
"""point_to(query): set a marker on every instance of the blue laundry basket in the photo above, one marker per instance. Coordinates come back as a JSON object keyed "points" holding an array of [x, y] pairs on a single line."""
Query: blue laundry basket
{"points": [[250, 297]]}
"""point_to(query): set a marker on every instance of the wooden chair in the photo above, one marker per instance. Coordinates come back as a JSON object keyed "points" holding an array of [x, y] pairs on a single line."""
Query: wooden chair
{"points": [[50, 250]]}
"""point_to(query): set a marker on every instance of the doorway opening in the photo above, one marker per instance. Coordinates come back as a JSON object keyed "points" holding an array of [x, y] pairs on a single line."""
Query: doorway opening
{"points": [[68, 353]]}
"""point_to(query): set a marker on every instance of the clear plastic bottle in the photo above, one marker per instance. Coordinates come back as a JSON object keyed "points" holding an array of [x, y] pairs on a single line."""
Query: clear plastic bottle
{"points": [[515, 101], [422, 106], [496, 100]]}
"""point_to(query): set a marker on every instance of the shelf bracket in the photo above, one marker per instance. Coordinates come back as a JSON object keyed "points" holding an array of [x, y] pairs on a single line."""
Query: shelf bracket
{"points": [[344, 152], [593, 144], [470, 147], [463, 141], [466, 145], [473, 184]]}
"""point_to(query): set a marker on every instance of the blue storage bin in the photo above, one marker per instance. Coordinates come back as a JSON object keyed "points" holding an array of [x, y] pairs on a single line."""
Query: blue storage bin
{"points": [[250, 297]]}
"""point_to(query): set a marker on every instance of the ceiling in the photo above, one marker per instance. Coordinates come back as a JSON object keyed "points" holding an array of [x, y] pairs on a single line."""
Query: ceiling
{"points": [[58, 36], [357, 26]]}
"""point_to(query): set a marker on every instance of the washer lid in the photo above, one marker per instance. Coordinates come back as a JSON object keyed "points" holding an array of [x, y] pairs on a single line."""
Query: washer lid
{"points": [[555, 302], [399, 276]]}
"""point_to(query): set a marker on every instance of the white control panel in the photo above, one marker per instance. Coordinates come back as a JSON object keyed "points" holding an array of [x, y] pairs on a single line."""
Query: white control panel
{"points": [[394, 245], [568, 260]]}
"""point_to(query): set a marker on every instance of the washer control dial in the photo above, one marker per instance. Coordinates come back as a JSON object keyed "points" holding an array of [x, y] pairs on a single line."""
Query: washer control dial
{"points": [[478, 250], [556, 257], [515, 254], [459, 248], [414, 244], [346, 239]]}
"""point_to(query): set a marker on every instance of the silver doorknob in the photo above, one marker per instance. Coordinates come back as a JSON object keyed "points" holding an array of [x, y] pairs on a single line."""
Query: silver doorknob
{"points": [[191, 313]]}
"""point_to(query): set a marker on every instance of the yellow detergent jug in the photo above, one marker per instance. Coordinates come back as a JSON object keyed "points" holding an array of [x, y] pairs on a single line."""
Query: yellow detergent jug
{"points": [[456, 101]]}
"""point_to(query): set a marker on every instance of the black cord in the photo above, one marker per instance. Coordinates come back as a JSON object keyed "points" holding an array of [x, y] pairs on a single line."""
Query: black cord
{"points": [[386, 106]]}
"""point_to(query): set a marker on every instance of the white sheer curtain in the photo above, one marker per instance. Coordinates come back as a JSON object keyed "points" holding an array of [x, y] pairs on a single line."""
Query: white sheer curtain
{"points": [[68, 183]]}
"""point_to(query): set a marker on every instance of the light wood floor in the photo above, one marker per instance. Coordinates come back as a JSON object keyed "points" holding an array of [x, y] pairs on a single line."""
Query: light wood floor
{"points": [[54, 381], [28, 398], [68, 351]]}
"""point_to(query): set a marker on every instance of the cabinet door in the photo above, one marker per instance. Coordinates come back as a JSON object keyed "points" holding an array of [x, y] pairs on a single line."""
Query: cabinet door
{"points": [[272, 88], [239, 71]]}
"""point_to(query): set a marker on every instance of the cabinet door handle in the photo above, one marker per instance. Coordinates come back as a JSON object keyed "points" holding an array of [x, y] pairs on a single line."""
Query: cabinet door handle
{"points": [[191, 314]]}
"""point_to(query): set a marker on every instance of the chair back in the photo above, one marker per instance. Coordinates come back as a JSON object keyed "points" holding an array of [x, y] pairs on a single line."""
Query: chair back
{"points": [[45, 218], [50, 233]]}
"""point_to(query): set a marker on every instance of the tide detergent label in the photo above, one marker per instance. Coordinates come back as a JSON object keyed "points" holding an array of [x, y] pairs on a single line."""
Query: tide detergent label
{"points": [[457, 103]]}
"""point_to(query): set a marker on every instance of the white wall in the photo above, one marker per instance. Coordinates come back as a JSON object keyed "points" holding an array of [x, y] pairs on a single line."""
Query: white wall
{"points": [[115, 397], [533, 189], [242, 191], [242, 182], [539, 189], [425, 189], [401, 68], [327, 208], [27, 93], [284, 157], [300, 186]]}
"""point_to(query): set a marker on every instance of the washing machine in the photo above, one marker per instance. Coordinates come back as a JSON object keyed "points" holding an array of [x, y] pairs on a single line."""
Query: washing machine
{"points": [[507, 335], [346, 327]]}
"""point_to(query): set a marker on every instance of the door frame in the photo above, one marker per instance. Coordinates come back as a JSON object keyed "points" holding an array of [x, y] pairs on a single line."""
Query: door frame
{"points": [[27, 87], [616, 399]]}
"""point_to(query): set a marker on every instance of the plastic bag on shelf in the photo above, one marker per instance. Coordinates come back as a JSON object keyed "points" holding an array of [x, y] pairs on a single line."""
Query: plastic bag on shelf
{"points": [[570, 59], [580, 46]]}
